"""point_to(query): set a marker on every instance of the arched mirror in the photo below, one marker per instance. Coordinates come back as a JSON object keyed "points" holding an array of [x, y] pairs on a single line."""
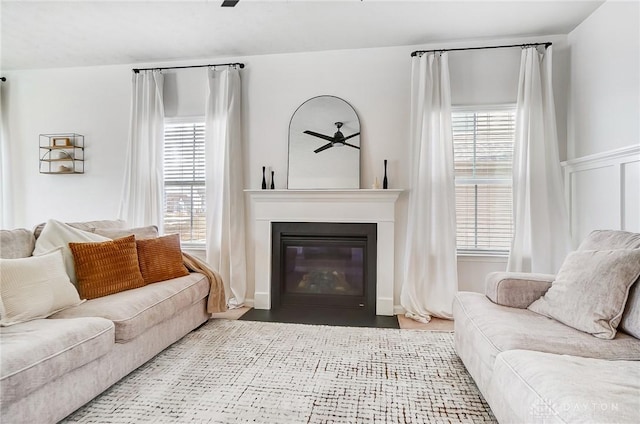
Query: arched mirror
{"points": [[324, 145]]}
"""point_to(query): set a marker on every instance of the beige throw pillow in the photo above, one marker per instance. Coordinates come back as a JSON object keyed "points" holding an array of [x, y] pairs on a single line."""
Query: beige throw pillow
{"points": [[630, 322], [34, 287], [591, 290], [56, 234], [616, 239]]}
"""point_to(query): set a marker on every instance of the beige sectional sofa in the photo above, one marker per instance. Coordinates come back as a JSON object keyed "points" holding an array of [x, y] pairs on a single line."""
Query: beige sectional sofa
{"points": [[50, 367], [534, 369]]}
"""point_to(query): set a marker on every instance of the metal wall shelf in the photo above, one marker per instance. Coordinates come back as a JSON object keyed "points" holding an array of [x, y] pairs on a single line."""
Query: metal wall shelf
{"points": [[66, 150]]}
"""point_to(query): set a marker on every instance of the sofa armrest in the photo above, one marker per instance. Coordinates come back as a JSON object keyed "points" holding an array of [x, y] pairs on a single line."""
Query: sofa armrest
{"points": [[516, 289]]}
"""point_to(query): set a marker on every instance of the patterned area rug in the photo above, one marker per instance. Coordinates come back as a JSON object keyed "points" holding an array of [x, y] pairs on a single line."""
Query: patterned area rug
{"points": [[260, 372]]}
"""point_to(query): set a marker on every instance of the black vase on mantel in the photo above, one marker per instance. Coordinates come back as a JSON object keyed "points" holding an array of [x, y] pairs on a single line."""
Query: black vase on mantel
{"points": [[272, 183], [264, 180], [385, 182]]}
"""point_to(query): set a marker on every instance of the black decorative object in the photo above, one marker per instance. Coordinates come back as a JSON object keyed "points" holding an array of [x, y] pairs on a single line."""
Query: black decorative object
{"points": [[272, 183], [385, 182], [229, 3], [264, 180]]}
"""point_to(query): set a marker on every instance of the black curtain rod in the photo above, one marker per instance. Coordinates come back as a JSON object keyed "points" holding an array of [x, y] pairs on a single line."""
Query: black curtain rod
{"points": [[419, 52], [3, 79], [241, 65]]}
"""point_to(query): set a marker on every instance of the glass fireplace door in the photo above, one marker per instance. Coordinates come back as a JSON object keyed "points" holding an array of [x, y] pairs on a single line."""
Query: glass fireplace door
{"points": [[321, 271], [323, 264]]}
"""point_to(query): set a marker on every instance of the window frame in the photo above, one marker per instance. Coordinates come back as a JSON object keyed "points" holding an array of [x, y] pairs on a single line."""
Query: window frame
{"points": [[188, 245], [497, 253]]}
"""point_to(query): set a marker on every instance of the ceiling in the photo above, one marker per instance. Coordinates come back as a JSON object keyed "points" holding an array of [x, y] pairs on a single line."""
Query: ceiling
{"points": [[50, 34]]}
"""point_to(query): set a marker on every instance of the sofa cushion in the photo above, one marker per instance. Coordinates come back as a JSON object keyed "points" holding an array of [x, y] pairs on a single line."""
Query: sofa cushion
{"points": [[34, 287], [591, 290], [107, 267], [16, 244], [36, 352], [161, 258], [134, 311], [140, 233], [89, 226], [610, 239], [484, 329], [541, 387], [512, 328], [56, 235]]}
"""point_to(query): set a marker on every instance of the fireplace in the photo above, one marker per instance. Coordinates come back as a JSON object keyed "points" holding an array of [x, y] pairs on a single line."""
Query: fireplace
{"points": [[324, 264], [376, 207]]}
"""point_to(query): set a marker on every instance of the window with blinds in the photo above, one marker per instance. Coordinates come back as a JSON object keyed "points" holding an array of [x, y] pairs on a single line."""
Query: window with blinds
{"points": [[483, 141], [184, 180]]}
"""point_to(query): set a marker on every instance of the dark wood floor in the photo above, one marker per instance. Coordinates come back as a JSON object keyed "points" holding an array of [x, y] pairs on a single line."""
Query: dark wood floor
{"points": [[322, 316]]}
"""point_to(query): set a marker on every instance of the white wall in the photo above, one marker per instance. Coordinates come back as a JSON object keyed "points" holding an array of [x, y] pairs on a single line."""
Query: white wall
{"points": [[376, 82], [602, 174], [605, 80], [89, 101]]}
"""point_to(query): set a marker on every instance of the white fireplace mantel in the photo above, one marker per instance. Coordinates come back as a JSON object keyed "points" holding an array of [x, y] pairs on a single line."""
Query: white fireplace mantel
{"points": [[366, 206]]}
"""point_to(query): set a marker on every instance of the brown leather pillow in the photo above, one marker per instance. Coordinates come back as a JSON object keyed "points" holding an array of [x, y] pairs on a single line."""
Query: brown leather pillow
{"points": [[161, 259], [106, 267]]}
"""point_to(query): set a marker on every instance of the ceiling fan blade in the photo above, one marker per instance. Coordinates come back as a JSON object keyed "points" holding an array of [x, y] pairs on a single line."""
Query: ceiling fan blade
{"points": [[351, 145], [352, 135], [325, 147], [322, 136]]}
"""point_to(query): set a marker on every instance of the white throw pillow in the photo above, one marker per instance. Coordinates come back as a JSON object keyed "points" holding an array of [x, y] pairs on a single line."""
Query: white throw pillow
{"points": [[591, 290], [34, 287], [57, 235]]}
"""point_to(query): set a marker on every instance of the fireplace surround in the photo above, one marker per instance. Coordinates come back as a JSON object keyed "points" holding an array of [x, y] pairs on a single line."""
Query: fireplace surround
{"points": [[330, 206]]}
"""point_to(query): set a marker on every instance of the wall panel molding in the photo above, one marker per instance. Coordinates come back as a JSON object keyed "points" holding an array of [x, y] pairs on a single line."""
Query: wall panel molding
{"points": [[602, 191]]}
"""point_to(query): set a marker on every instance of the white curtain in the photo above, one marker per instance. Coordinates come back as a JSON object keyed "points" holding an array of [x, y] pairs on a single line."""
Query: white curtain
{"points": [[430, 273], [142, 197], [541, 230], [224, 182], [6, 210]]}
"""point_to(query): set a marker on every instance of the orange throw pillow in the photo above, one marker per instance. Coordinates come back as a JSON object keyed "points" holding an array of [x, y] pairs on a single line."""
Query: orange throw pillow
{"points": [[161, 259], [106, 267]]}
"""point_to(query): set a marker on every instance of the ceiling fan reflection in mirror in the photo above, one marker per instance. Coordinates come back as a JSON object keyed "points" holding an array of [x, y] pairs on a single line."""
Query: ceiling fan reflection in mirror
{"points": [[337, 140], [317, 125]]}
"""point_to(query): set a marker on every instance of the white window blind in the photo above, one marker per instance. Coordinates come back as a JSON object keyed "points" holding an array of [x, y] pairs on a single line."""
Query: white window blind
{"points": [[184, 180], [483, 154]]}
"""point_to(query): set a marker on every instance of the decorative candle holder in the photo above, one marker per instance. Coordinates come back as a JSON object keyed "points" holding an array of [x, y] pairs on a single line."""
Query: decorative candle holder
{"points": [[264, 179], [273, 186]]}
